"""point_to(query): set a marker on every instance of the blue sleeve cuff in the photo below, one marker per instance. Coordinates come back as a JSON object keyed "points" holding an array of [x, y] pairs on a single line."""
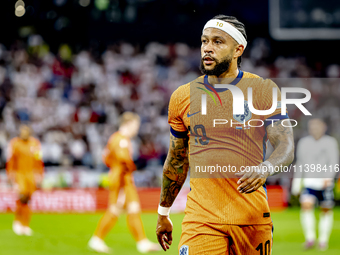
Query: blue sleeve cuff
{"points": [[276, 118], [179, 134]]}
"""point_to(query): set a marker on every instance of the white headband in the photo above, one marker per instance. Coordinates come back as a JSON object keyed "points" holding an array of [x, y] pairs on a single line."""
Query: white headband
{"points": [[229, 29]]}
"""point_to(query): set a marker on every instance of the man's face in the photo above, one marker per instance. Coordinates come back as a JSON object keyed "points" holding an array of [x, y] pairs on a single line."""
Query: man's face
{"points": [[317, 128], [25, 132], [133, 127], [216, 51]]}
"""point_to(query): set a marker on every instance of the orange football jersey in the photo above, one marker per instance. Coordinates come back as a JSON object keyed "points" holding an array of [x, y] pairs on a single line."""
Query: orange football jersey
{"points": [[118, 153], [25, 157], [218, 140]]}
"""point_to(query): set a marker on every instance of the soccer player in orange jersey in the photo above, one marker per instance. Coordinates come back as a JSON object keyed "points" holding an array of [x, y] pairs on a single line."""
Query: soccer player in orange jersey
{"points": [[227, 211], [25, 170], [118, 157]]}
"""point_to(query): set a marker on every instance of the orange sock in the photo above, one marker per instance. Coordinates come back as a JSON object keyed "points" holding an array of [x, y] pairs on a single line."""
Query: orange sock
{"points": [[105, 224], [26, 215], [18, 211], [135, 225]]}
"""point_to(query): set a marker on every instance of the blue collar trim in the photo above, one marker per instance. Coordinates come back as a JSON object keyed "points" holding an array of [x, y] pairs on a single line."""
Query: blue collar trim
{"points": [[234, 82]]}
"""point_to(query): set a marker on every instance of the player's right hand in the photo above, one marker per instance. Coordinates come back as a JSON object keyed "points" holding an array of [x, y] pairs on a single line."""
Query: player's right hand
{"points": [[164, 231], [38, 180], [327, 183]]}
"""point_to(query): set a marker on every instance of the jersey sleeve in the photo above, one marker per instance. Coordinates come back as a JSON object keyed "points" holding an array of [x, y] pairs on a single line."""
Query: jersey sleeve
{"points": [[267, 100], [106, 156], [333, 153], [11, 158], [38, 159], [177, 127], [300, 158]]}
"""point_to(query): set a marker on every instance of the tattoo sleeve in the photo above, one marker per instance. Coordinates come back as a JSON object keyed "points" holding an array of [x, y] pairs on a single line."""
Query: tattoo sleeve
{"points": [[175, 170], [282, 139]]}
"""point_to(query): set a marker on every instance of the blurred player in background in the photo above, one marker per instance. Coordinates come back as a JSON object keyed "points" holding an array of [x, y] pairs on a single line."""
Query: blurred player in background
{"points": [[222, 215], [25, 170], [118, 157], [316, 149]]}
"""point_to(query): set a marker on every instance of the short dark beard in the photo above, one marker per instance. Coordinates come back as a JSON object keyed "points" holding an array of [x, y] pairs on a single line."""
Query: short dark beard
{"points": [[220, 67]]}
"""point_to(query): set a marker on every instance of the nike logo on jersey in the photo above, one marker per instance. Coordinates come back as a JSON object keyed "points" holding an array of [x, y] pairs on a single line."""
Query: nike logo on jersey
{"points": [[189, 115]]}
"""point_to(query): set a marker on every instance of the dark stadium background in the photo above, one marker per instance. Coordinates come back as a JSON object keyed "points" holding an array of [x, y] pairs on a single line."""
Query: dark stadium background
{"points": [[74, 50], [66, 21]]}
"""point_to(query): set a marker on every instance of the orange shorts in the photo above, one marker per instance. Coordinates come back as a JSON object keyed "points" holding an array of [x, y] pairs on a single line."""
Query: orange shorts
{"points": [[119, 180], [25, 184], [217, 239]]}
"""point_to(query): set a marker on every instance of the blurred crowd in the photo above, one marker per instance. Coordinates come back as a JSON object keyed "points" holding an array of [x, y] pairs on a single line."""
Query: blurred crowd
{"points": [[73, 100]]}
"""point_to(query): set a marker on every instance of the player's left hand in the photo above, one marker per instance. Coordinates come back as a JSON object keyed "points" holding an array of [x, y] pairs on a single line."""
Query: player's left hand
{"points": [[252, 179]]}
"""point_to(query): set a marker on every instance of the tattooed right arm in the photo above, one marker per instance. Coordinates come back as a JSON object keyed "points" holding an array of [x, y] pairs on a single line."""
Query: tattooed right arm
{"points": [[175, 170]]}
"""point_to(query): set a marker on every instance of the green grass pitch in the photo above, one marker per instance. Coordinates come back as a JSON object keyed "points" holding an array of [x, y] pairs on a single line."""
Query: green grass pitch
{"points": [[67, 234]]}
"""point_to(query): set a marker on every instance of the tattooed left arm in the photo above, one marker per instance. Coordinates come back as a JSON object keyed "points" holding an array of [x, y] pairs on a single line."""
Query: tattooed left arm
{"points": [[282, 139]]}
